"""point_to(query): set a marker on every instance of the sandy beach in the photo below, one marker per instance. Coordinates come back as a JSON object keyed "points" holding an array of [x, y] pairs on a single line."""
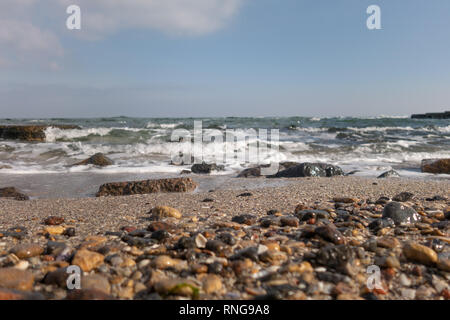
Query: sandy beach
{"points": [[234, 244]]}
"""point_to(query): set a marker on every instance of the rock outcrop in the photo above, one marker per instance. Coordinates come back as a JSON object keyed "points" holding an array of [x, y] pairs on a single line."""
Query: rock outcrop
{"points": [[204, 168], [436, 166], [146, 187], [310, 170], [98, 159], [435, 115], [29, 132], [256, 171], [11, 192]]}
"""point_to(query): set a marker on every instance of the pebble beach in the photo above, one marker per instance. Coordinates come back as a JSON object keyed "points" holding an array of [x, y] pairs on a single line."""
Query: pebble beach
{"points": [[313, 238]]}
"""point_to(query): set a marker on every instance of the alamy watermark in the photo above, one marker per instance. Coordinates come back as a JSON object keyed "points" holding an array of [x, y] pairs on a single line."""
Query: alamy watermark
{"points": [[226, 147], [374, 280]]}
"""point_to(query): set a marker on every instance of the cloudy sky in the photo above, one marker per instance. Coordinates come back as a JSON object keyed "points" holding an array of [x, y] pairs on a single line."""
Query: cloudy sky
{"points": [[172, 58]]}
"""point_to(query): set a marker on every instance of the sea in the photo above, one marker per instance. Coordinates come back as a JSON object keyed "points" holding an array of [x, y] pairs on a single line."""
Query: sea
{"points": [[145, 147]]}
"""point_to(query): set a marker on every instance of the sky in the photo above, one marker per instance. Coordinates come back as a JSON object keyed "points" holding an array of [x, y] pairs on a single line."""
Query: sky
{"points": [[214, 58]]}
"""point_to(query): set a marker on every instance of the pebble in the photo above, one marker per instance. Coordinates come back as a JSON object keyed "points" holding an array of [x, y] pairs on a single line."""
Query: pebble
{"points": [[182, 287], [212, 284], [87, 260], [165, 212], [200, 241], [164, 262], [400, 213], [419, 253], [247, 219], [54, 221], [96, 282], [24, 251], [409, 294], [403, 197], [12, 278], [54, 230]]}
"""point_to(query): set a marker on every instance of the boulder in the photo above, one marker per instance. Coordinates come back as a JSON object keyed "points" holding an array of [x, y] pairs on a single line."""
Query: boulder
{"points": [[29, 132], [310, 170], [146, 187], [256, 171], [11, 192], [205, 168], [436, 166], [98, 159]]}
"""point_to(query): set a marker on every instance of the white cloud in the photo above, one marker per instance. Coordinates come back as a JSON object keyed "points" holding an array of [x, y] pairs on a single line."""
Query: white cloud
{"points": [[26, 35], [184, 17]]}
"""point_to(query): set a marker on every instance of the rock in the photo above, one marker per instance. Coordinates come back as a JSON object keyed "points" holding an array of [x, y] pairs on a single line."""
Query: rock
{"points": [[289, 222], [11, 278], [29, 132], [54, 221], [181, 287], [24, 251], [200, 241], [400, 214], [57, 277], [247, 219], [408, 293], [165, 212], [250, 172], [161, 226], [96, 282], [146, 187], [403, 197], [164, 262], [88, 294], [437, 198], [7, 294], [388, 242], [205, 168], [437, 166], [305, 215], [339, 257], [11, 192], [54, 230], [345, 200], [419, 253], [310, 170], [212, 284], [444, 264], [432, 115], [330, 233], [87, 260], [389, 174], [98, 159], [216, 246]]}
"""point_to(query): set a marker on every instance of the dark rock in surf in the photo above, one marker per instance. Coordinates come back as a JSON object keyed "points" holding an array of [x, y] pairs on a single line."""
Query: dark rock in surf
{"points": [[436, 166], [98, 159], [310, 170], [205, 168], [29, 132]]}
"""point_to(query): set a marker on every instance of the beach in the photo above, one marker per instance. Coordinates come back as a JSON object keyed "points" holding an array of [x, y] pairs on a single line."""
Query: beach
{"points": [[301, 238]]}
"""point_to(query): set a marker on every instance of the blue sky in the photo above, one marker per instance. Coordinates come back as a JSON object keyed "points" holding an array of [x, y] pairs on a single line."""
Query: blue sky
{"points": [[223, 58]]}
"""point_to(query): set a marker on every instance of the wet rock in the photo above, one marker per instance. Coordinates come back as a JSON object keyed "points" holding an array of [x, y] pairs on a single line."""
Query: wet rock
{"points": [[69, 232], [87, 260], [54, 221], [205, 168], [98, 159], [444, 264], [24, 251], [215, 267], [186, 243], [437, 198], [379, 224], [147, 187], [388, 242], [13, 193], [289, 222], [226, 238], [160, 235], [330, 233], [400, 213], [58, 277], [403, 197], [11, 278], [339, 257], [436, 166], [29, 132], [419, 253], [250, 172], [247, 219], [310, 170], [165, 212], [164, 262], [389, 174]]}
